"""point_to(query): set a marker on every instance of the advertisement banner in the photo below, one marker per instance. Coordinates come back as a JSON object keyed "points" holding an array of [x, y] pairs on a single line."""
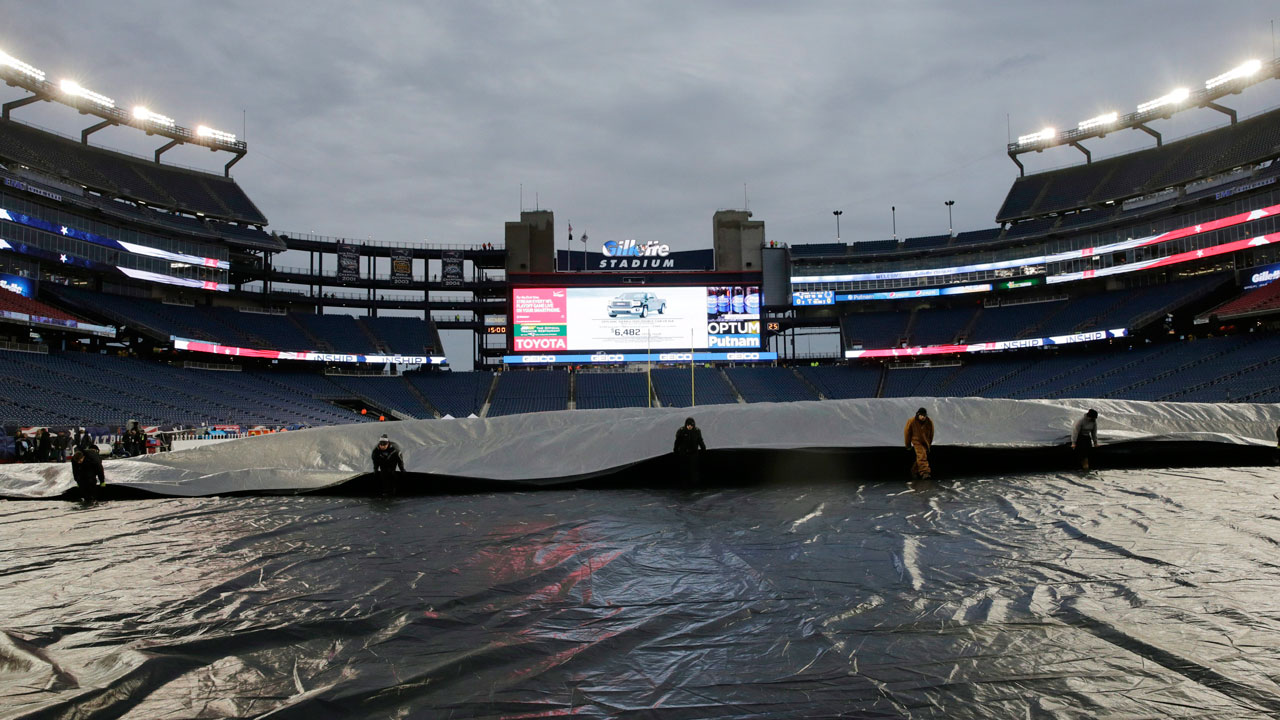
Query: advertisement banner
{"points": [[348, 263], [1256, 278], [402, 267], [622, 318], [15, 283], [451, 268]]}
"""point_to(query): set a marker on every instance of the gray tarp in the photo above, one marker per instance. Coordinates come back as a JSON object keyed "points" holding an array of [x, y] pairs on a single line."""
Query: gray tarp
{"points": [[582, 442]]}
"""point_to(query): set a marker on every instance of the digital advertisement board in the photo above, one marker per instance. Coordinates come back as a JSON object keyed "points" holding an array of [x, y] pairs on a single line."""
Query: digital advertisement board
{"points": [[558, 319]]}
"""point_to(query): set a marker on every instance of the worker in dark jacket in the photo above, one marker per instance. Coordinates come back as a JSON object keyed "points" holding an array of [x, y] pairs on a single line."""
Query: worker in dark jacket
{"points": [[918, 436], [86, 469], [81, 440], [387, 464], [1084, 437], [44, 445], [688, 449]]}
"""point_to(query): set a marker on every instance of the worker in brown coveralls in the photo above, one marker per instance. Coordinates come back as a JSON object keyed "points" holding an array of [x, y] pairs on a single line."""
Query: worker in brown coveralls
{"points": [[918, 435]]}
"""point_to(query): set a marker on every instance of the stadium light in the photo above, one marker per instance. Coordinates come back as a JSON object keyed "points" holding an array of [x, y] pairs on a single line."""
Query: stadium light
{"points": [[205, 131], [1175, 97], [1044, 135], [1241, 71], [75, 89], [145, 115], [10, 61], [1104, 119]]}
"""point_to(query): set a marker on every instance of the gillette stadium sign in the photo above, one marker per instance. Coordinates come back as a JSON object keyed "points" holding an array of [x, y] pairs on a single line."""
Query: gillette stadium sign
{"points": [[631, 254]]}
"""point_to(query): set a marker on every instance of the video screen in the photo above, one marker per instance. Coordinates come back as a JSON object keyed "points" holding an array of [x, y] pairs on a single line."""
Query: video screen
{"points": [[548, 320]]}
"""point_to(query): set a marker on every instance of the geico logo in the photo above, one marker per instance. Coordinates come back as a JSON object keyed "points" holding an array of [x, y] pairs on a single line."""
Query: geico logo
{"points": [[601, 357], [740, 327], [675, 356], [538, 358], [742, 356]]}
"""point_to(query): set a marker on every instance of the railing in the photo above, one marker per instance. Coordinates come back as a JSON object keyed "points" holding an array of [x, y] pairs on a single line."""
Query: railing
{"points": [[423, 245], [221, 367], [24, 347]]}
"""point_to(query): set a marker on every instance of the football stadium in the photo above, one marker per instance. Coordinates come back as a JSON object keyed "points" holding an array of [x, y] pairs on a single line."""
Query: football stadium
{"points": [[544, 551]]}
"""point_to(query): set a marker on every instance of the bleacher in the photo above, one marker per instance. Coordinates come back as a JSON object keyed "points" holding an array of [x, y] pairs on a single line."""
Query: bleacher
{"points": [[940, 327], [837, 382], [530, 391], [230, 326], [390, 393], [874, 329], [1259, 301], [769, 384], [709, 387], [1113, 179], [13, 302], [118, 174], [453, 393], [611, 390]]}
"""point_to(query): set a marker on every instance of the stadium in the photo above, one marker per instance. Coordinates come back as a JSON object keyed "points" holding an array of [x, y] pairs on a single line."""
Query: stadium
{"points": [[541, 549], [163, 295]]}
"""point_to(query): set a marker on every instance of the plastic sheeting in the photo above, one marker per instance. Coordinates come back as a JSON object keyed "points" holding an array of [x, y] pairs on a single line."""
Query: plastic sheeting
{"points": [[1125, 593], [555, 447]]}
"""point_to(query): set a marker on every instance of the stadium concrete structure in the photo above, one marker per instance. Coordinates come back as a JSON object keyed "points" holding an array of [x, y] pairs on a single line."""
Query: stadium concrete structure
{"points": [[136, 289]]}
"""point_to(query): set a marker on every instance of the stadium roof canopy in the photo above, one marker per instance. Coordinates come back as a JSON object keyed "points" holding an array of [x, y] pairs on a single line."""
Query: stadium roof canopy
{"points": [[17, 73], [1229, 83]]}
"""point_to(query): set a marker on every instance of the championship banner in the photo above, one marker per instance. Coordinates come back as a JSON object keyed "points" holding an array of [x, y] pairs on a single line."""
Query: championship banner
{"points": [[451, 268], [348, 263], [402, 267]]}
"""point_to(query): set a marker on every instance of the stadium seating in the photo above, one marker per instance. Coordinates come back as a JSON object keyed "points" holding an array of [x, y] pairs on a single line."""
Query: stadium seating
{"points": [[819, 249], [940, 327], [874, 329], [1173, 164], [1260, 301], [338, 333], [13, 302], [119, 174], [522, 391], [452, 393], [611, 390], [769, 384], [925, 243], [403, 335], [709, 387], [837, 382]]}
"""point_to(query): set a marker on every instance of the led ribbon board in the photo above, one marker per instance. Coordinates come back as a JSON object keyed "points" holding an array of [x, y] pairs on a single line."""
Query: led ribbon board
{"points": [[134, 248], [1187, 256], [989, 346], [1056, 257], [614, 358], [307, 355]]}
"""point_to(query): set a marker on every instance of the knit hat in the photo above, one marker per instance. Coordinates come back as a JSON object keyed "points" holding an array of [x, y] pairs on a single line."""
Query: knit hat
{"points": [[1092, 413], [383, 438], [923, 412]]}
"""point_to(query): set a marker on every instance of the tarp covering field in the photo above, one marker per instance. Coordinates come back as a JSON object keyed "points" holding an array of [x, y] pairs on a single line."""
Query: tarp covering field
{"points": [[1122, 593]]}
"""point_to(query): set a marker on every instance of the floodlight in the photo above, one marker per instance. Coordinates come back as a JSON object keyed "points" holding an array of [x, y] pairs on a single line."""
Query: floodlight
{"points": [[205, 131], [145, 115], [1236, 73], [10, 61], [1043, 136], [1093, 122], [71, 87], [1173, 98]]}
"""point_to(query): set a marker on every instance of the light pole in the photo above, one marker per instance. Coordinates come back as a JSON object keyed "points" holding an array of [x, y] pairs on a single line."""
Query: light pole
{"points": [[837, 213], [894, 209], [950, 227]]}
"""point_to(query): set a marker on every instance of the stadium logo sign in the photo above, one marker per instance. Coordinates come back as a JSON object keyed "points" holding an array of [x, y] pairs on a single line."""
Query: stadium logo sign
{"points": [[742, 356], [631, 248], [538, 358], [1266, 276], [525, 344], [604, 357], [675, 357]]}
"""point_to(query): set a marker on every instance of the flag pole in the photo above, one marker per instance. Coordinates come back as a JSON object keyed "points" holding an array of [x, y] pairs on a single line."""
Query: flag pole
{"points": [[648, 370], [693, 398]]}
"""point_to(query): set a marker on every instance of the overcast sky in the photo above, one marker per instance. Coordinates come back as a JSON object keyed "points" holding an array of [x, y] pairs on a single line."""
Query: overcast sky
{"points": [[413, 120]]}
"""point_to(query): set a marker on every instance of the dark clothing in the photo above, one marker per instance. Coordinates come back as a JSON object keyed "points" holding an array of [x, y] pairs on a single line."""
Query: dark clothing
{"points": [[44, 447], [81, 441], [1086, 427], [387, 465], [135, 442], [688, 441], [88, 474]]}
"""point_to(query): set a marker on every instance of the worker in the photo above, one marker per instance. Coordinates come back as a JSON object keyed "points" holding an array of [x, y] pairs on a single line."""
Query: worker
{"points": [[1084, 437], [918, 436], [387, 464]]}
